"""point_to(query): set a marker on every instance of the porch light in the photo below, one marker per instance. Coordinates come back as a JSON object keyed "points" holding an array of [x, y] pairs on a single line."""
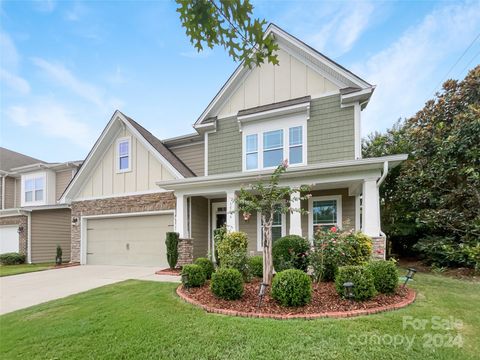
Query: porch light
{"points": [[348, 290], [20, 229], [185, 280], [246, 216], [410, 274], [261, 293], [74, 220]]}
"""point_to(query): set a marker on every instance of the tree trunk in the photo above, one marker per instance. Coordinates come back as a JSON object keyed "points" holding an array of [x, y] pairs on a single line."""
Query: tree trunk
{"points": [[267, 250]]}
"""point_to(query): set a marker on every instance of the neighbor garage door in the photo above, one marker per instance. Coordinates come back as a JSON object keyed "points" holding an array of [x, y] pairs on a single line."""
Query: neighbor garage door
{"points": [[8, 239], [136, 240]]}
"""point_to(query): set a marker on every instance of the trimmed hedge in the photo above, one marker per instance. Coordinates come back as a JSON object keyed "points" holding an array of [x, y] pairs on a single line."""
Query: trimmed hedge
{"points": [[290, 252], [227, 283], [362, 279], [207, 266], [255, 266], [171, 242], [232, 251], [12, 258], [292, 287], [385, 275], [195, 276]]}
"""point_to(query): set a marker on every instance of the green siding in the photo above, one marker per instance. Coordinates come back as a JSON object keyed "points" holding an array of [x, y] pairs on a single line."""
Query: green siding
{"points": [[225, 148], [330, 136], [330, 131]]}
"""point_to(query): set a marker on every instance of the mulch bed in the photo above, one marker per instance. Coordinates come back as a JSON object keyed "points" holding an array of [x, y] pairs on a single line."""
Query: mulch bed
{"points": [[325, 303], [173, 272]]}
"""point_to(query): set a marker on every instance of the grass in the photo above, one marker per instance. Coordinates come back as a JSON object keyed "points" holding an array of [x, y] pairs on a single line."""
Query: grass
{"points": [[7, 270], [146, 320]]}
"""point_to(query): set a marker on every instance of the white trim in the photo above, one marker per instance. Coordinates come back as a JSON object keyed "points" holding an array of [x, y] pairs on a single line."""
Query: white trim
{"points": [[3, 191], [84, 220], [205, 160], [357, 130], [145, 192], [357, 213], [287, 110], [337, 198], [34, 176], [259, 229], [120, 140], [209, 224], [29, 238]]}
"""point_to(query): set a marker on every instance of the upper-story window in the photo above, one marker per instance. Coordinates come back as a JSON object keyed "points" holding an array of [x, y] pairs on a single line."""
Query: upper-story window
{"points": [[124, 154], [267, 149], [34, 189]]}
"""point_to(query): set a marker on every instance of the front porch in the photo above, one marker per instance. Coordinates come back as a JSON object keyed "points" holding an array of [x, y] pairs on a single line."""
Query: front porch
{"points": [[343, 195]]}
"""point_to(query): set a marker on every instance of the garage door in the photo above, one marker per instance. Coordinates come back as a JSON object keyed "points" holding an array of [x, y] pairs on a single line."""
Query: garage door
{"points": [[8, 239], [136, 240]]}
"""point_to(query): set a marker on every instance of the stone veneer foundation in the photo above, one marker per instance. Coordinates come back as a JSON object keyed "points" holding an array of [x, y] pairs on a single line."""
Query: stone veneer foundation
{"points": [[20, 221], [116, 205]]}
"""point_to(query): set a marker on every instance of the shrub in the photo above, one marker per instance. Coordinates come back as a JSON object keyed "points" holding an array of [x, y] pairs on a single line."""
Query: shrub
{"points": [[12, 259], [206, 265], [292, 287], [290, 252], [334, 248], [195, 276], [362, 279], [232, 251], [255, 266], [171, 242], [385, 275], [58, 257], [227, 284], [218, 235]]}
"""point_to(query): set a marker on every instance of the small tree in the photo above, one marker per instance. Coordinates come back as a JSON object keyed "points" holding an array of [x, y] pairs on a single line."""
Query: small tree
{"points": [[172, 249], [267, 198]]}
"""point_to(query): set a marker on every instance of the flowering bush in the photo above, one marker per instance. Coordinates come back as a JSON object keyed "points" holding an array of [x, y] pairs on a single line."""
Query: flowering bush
{"points": [[333, 248]]}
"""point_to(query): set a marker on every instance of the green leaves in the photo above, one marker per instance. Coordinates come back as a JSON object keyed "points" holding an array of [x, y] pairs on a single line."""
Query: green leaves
{"points": [[228, 23]]}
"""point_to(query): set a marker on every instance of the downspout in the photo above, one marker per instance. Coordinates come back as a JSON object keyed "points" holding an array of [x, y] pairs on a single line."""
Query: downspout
{"points": [[29, 237], [3, 192], [379, 183]]}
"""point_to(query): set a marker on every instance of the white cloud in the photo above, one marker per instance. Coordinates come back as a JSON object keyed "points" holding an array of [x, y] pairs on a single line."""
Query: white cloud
{"points": [[342, 27], [46, 6], [407, 71], [194, 54], [117, 77], [53, 120], [14, 82], [76, 12]]}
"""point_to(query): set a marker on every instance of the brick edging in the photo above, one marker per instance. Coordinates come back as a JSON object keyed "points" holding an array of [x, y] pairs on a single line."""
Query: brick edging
{"points": [[329, 314], [165, 272]]}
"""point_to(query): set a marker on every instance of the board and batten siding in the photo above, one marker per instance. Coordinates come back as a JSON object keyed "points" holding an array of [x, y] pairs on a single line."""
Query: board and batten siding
{"points": [[62, 179], [330, 137], [193, 156], [199, 226], [146, 170], [49, 229], [269, 84]]}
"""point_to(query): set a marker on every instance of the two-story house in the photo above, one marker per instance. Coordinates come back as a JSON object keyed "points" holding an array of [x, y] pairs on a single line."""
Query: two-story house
{"points": [[133, 187], [31, 220]]}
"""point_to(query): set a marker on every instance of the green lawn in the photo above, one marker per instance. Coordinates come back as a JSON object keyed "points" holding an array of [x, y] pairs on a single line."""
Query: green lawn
{"points": [[6, 270], [146, 320]]}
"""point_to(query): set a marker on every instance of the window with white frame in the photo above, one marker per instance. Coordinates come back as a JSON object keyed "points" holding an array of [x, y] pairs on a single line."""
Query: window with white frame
{"points": [[123, 155], [34, 188], [268, 149], [324, 212], [251, 152], [278, 228]]}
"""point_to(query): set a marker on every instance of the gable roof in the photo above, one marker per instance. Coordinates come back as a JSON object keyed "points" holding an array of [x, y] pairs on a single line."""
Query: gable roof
{"points": [[10, 159], [152, 143], [332, 70]]}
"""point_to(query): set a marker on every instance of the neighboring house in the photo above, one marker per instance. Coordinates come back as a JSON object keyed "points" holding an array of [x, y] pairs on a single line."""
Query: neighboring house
{"points": [[132, 187], [31, 220]]}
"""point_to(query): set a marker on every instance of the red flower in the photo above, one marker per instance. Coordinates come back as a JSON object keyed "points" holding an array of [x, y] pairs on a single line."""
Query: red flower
{"points": [[333, 229]]}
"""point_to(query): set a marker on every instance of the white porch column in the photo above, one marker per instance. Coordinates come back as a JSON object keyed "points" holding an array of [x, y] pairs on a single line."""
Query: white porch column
{"points": [[295, 216], [181, 216], [371, 209], [232, 214]]}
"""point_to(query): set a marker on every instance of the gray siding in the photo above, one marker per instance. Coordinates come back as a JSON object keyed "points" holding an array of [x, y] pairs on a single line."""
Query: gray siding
{"points": [[18, 192], [199, 226], [193, 156], [250, 228], [62, 179], [9, 192], [330, 131], [225, 148], [49, 229]]}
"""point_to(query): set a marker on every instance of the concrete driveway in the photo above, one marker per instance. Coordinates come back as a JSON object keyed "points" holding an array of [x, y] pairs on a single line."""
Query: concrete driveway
{"points": [[21, 291]]}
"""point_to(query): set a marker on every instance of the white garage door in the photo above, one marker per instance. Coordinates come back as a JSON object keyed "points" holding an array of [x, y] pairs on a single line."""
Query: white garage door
{"points": [[136, 240], [8, 239]]}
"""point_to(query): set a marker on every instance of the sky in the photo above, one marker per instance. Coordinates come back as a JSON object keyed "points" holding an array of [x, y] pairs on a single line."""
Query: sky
{"points": [[66, 66]]}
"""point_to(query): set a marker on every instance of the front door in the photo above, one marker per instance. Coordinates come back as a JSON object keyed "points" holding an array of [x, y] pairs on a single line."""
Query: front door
{"points": [[219, 219]]}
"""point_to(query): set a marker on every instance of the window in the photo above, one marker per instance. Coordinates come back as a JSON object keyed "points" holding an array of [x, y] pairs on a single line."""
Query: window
{"points": [[278, 228], [34, 188], [272, 148], [295, 145], [252, 152], [268, 149], [324, 212], [123, 153]]}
